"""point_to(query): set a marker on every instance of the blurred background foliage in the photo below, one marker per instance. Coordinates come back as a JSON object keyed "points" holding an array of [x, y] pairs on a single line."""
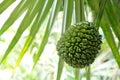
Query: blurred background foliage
{"points": [[29, 31]]}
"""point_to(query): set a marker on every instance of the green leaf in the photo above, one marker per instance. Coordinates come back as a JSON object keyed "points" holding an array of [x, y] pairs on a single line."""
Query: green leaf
{"points": [[67, 18], [32, 11], [17, 12], [113, 19], [100, 12], [53, 14], [94, 7], [110, 39], [116, 7], [5, 4], [35, 27]]}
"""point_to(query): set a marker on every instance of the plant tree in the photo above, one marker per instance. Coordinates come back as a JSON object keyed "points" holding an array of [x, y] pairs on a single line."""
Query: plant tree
{"points": [[105, 15]]}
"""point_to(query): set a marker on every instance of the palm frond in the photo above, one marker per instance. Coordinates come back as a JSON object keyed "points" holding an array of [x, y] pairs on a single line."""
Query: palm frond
{"points": [[34, 29], [53, 14], [5, 4], [17, 12]]}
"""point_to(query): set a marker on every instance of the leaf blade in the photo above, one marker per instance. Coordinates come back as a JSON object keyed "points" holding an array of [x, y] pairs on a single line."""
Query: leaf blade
{"points": [[23, 26], [5, 4], [113, 20], [110, 39], [21, 7], [34, 29], [54, 11]]}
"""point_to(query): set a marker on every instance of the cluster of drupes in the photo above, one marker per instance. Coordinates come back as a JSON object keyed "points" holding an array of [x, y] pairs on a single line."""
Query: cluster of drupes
{"points": [[79, 45]]}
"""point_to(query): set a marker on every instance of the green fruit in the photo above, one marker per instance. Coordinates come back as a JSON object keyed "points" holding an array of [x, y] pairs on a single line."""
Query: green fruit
{"points": [[79, 45]]}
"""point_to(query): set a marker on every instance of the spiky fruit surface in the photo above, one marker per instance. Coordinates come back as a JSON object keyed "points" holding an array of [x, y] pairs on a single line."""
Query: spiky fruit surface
{"points": [[79, 45]]}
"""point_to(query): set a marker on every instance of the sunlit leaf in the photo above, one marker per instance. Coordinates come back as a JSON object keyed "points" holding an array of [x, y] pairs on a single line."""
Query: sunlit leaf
{"points": [[33, 9], [17, 12], [35, 27], [53, 14], [5, 4]]}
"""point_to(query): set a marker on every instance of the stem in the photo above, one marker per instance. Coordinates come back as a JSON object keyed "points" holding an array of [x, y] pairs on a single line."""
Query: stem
{"points": [[82, 15], [60, 68], [87, 72], [100, 12], [76, 72], [79, 16], [79, 10], [68, 7]]}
